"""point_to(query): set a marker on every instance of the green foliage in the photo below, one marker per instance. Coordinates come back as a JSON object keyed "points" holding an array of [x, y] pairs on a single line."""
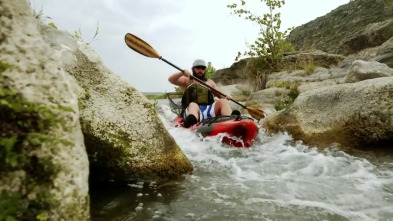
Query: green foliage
{"points": [[308, 69], [24, 128], [210, 70], [286, 102], [270, 45], [178, 89], [51, 24], [38, 14], [293, 93], [82, 100], [284, 84], [388, 4], [282, 104], [8, 153], [4, 66], [9, 206], [78, 34], [155, 104], [156, 97]]}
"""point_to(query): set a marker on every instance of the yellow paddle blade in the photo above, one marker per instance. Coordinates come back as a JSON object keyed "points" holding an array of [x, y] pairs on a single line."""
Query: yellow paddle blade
{"points": [[255, 113], [140, 46]]}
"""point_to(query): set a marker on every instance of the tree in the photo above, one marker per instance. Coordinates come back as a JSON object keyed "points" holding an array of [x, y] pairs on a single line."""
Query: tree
{"points": [[210, 70], [267, 50]]}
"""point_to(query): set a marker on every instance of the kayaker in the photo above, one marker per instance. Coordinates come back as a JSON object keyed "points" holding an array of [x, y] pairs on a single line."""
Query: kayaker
{"points": [[197, 100]]}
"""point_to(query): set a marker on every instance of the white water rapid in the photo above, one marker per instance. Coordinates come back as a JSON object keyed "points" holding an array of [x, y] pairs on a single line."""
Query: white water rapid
{"points": [[276, 179]]}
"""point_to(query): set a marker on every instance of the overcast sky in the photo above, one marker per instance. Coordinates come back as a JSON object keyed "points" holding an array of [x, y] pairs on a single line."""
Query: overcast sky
{"points": [[180, 31]]}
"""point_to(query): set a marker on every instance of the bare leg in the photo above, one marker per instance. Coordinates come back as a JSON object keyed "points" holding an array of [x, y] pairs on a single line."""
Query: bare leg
{"points": [[193, 109], [222, 108]]}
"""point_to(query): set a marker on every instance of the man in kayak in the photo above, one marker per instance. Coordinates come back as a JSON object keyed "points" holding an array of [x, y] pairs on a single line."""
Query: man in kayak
{"points": [[198, 100]]}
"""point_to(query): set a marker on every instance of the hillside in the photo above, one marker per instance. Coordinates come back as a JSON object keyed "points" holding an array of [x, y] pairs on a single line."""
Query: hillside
{"points": [[347, 29]]}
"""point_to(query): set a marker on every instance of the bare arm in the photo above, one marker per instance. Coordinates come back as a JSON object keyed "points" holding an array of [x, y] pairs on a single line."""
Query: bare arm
{"points": [[180, 78], [214, 86]]}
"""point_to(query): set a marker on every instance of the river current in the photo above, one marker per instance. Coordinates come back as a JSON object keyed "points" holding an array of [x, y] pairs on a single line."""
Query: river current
{"points": [[276, 179]]}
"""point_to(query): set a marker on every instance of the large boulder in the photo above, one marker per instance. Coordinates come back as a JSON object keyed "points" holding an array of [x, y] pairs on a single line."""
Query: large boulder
{"points": [[267, 99], [363, 70], [352, 115], [284, 85], [385, 53], [124, 137], [43, 163]]}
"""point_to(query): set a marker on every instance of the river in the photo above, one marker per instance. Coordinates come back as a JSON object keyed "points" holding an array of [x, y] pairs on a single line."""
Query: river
{"points": [[276, 179]]}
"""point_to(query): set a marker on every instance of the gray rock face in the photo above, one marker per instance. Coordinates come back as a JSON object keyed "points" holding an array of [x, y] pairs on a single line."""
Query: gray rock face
{"points": [[385, 53], [124, 137], [266, 99], [43, 162], [353, 115], [345, 30], [363, 70], [316, 58], [371, 36], [232, 75], [44, 167], [237, 73]]}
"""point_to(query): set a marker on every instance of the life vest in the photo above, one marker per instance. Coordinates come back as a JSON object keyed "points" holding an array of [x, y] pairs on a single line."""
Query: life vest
{"points": [[198, 94]]}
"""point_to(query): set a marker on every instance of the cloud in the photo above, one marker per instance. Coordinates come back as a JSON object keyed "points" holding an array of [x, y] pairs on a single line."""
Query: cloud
{"points": [[180, 31]]}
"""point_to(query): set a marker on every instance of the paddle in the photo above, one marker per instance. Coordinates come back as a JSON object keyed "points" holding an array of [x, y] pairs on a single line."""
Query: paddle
{"points": [[145, 49]]}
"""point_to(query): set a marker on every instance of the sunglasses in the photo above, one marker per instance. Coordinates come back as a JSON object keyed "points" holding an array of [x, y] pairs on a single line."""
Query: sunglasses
{"points": [[200, 67]]}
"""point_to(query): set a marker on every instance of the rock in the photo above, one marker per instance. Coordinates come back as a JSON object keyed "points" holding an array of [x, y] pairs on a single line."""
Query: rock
{"points": [[373, 35], [124, 137], [385, 53], [239, 92], [300, 60], [232, 75], [386, 59], [363, 70], [366, 55], [44, 168], [267, 99], [345, 30], [386, 48], [237, 73], [352, 115]]}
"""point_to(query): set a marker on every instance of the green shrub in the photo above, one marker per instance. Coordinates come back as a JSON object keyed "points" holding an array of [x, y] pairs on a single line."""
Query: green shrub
{"points": [[308, 69], [210, 70], [78, 34], [156, 97], [51, 24], [284, 84], [282, 104], [4, 66], [292, 95], [269, 47]]}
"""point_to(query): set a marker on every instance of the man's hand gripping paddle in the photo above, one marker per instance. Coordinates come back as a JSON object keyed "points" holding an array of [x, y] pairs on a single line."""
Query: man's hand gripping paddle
{"points": [[145, 49]]}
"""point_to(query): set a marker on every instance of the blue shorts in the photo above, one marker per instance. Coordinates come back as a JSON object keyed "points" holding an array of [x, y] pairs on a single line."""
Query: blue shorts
{"points": [[205, 111]]}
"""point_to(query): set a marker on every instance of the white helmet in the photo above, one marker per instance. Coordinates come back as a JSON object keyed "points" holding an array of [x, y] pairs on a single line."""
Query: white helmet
{"points": [[199, 62]]}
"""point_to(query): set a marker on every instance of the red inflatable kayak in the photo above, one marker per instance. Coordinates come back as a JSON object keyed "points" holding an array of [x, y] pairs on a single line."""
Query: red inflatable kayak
{"points": [[240, 131]]}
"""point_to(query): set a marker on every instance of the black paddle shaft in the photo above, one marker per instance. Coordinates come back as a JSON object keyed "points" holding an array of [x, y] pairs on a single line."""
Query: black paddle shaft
{"points": [[203, 83]]}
